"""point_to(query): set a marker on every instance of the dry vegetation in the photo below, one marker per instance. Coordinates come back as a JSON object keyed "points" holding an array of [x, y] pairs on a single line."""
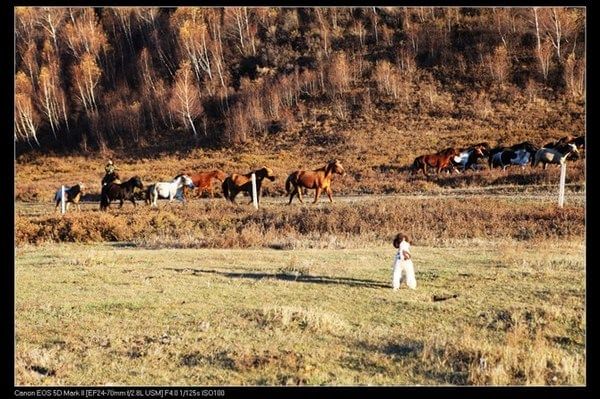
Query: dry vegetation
{"points": [[129, 79], [213, 293], [105, 314], [219, 224]]}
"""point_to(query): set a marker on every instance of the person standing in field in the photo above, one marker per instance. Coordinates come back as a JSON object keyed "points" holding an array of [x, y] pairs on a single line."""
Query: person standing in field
{"points": [[403, 269]]}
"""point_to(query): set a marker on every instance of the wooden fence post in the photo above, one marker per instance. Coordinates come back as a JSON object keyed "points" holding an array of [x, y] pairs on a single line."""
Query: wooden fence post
{"points": [[62, 199], [254, 193], [561, 191]]}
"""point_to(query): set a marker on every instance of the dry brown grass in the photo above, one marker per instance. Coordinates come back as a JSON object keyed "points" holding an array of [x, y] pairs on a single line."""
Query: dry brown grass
{"points": [[215, 223], [375, 147]]}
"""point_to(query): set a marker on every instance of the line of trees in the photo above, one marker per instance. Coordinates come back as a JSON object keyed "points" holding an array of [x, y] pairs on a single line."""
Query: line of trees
{"points": [[96, 78]]}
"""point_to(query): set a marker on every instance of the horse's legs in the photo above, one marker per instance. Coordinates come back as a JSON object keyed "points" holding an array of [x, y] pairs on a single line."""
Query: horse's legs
{"points": [[121, 203], [317, 193], [329, 194], [299, 195], [545, 165]]}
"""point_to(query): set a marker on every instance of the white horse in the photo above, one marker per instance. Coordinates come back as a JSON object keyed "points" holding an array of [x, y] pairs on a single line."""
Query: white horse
{"points": [[168, 190]]}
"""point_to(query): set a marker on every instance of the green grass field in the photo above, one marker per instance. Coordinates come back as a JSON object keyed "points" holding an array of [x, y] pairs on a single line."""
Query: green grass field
{"points": [[113, 314]]}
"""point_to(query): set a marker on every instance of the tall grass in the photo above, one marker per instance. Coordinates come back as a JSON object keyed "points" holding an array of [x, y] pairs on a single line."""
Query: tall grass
{"points": [[220, 224]]}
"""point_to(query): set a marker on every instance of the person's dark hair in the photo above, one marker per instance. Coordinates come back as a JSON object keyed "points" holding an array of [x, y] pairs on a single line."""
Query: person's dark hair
{"points": [[398, 239]]}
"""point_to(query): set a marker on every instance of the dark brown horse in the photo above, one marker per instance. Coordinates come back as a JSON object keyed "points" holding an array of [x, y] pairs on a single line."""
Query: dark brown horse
{"points": [[233, 184], [203, 180], [440, 160], [319, 179], [124, 191]]}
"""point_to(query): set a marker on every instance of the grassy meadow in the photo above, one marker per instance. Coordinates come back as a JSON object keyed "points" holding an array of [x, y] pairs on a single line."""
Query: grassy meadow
{"points": [[485, 312], [209, 292]]}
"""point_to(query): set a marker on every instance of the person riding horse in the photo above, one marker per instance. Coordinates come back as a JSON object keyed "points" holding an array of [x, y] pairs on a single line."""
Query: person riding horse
{"points": [[111, 173]]}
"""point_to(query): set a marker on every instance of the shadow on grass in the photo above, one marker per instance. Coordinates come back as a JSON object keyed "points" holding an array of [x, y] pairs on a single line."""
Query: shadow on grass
{"points": [[352, 282]]}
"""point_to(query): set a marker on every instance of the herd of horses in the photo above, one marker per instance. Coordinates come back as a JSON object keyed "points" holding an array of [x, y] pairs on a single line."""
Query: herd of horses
{"points": [[460, 159], [115, 190], [448, 160]]}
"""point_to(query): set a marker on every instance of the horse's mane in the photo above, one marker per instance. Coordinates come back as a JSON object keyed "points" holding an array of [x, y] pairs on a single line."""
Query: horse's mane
{"points": [[565, 148], [447, 151]]}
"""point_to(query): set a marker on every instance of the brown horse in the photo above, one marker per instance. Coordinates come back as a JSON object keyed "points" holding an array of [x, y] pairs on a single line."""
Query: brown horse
{"points": [[319, 179], [203, 180], [233, 184], [73, 195], [440, 160]]}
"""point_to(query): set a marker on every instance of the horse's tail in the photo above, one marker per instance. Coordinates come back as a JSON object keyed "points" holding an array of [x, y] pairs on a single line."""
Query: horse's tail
{"points": [[417, 163], [289, 181], [225, 186]]}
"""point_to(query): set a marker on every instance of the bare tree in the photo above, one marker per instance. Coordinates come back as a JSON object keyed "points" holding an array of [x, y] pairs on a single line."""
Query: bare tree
{"points": [[52, 18], [324, 31], [84, 33], [359, 30], [499, 64], [234, 17], [185, 99], [125, 16], [338, 73], [560, 23], [86, 76], [26, 117], [575, 76], [196, 42], [387, 78]]}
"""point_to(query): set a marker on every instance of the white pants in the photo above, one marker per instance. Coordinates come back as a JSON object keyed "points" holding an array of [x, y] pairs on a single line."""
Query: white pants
{"points": [[403, 271]]}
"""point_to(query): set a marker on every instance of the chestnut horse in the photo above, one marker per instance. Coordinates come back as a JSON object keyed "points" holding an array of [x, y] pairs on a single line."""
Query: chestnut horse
{"points": [[319, 179], [233, 184], [440, 160], [203, 180]]}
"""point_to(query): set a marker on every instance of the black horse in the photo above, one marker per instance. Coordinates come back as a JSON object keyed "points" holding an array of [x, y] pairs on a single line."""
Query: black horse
{"points": [[578, 141], [124, 191]]}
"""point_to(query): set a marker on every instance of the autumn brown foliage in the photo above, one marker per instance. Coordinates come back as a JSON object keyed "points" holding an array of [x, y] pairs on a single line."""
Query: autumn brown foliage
{"points": [[109, 78]]}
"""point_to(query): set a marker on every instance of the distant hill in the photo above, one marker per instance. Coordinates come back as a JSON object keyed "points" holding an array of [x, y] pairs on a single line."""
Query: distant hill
{"points": [[138, 80]]}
